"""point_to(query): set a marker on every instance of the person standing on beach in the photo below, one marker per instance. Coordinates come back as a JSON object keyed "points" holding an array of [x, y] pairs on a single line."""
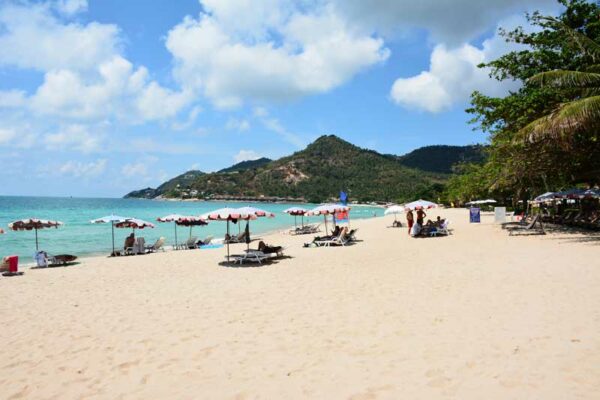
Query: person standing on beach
{"points": [[420, 216], [410, 219]]}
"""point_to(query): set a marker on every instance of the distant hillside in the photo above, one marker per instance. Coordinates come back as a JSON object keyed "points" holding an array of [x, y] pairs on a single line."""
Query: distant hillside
{"points": [[441, 158], [244, 165], [179, 182], [315, 174]]}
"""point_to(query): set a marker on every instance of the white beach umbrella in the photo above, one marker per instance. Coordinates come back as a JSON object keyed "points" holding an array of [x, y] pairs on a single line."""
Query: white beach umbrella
{"points": [[296, 211], [171, 218], [395, 209], [259, 213], [228, 214], [110, 219], [328, 209], [419, 205], [33, 224], [544, 197]]}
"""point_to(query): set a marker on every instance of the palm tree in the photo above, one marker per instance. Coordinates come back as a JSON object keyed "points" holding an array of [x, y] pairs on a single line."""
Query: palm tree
{"points": [[582, 114]]}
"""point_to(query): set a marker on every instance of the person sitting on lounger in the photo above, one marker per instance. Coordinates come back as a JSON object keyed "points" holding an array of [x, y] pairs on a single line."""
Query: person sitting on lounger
{"points": [[129, 241], [336, 231], [262, 246]]}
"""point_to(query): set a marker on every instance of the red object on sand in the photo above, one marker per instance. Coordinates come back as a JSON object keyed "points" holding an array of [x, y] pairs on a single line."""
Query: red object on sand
{"points": [[13, 264]]}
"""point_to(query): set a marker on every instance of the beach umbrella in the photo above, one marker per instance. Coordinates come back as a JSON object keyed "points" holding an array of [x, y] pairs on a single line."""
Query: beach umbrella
{"points": [[296, 211], [171, 218], [258, 213], [134, 223], [35, 224], [229, 215], [545, 197], [419, 205], [191, 221], [571, 194], [328, 209], [395, 209], [592, 193], [110, 219]]}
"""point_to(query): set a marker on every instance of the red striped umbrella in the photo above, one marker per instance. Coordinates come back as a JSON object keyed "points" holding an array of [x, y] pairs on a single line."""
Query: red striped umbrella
{"points": [[33, 224], [228, 214]]}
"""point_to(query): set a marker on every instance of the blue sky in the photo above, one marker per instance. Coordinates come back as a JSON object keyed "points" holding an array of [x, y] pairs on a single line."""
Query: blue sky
{"points": [[100, 97]]}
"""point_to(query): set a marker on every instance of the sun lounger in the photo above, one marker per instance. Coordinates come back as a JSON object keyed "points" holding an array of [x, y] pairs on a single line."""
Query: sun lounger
{"points": [[531, 227], [441, 230], [191, 243], [61, 260], [250, 256], [241, 238], [158, 245], [340, 240]]}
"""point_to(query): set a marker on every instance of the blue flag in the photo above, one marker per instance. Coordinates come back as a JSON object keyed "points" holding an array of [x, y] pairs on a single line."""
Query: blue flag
{"points": [[343, 197]]}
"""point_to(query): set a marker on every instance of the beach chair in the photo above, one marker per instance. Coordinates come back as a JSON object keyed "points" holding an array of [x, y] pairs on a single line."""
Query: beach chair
{"points": [[158, 245], [442, 230], [191, 243], [241, 238], [531, 227], [207, 241], [339, 240], [61, 260], [255, 256]]}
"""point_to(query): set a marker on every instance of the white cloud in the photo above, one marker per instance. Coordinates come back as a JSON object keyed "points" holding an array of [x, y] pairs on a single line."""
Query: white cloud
{"points": [[71, 7], [246, 155], [454, 74], [73, 137], [139, 169], [450, 21], [6, 136], [275, 126], [276, 53], [31, 37], [83, 170], [12, 98], [240, 125]]}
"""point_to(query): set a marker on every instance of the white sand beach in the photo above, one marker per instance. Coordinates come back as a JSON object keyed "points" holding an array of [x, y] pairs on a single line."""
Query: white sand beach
{"points": [[476, 315]]}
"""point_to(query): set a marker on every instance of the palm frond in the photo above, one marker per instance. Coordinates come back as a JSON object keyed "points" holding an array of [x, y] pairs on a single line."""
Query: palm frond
{"points": [[583, 42], [566, 79], [570, 118]]}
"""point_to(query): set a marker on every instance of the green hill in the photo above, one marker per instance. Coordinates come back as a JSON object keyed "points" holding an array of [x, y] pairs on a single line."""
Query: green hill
{"points": [[244, 165], [441, 159], [173, 185], [314, 174]]}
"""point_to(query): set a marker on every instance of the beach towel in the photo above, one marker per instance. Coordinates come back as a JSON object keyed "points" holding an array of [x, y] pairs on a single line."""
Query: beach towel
{"points": [[211, 246]]}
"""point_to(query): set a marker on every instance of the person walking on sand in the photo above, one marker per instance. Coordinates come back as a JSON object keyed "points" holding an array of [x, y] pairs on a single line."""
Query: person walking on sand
{"points": [[410, 219]]}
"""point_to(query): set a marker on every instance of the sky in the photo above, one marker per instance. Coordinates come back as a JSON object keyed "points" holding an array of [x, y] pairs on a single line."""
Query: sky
{"points": [[101, 97]]}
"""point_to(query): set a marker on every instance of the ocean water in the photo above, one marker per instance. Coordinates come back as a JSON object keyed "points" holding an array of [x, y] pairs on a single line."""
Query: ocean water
{"points": [[79, 237]]}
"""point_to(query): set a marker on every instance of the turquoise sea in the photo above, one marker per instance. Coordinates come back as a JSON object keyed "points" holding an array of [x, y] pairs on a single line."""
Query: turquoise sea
{"points": [[79, 237]]}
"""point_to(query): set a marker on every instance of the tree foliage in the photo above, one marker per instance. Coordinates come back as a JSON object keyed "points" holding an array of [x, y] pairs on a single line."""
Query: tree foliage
{"points": [[542, 136]]}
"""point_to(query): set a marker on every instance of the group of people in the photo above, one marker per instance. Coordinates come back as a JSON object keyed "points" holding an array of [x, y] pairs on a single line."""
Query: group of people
{"points": [[419, 227]]}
